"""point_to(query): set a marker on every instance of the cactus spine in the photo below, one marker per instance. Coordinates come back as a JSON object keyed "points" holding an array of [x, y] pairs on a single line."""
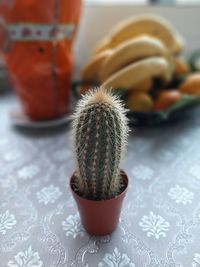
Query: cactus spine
{"points": [[100, 135]]}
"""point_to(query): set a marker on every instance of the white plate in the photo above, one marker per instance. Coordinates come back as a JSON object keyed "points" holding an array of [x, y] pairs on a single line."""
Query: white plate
{"points": [[20, 120]]}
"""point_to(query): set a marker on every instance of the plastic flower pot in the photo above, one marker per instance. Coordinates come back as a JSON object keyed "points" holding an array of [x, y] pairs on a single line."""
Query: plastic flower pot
{"points": [[100, 217]]}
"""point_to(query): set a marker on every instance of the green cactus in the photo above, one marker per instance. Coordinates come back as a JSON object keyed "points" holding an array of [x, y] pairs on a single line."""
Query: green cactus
{"points": [[100, 135]]}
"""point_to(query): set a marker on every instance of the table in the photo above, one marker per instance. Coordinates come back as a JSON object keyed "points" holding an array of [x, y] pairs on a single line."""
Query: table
{"points": [[160, 220]]}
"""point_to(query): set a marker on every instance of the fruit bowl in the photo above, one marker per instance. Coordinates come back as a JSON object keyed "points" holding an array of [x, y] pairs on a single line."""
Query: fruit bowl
{"points": [[150, 118], [176, 112], [141, 59]]}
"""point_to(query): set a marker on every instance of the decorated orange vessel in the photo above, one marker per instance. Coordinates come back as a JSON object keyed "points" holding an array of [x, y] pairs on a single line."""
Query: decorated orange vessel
{"points": [[39, 56]]}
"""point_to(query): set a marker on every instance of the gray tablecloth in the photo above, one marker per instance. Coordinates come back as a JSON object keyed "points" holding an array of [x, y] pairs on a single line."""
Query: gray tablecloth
{"points": [[160, 219]]}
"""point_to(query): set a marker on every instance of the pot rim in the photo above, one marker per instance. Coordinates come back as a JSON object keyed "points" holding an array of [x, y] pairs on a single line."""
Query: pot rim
{"points": [[125, 177]]}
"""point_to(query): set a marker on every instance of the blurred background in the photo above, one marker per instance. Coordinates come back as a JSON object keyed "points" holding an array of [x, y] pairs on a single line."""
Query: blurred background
{"points": [[167, 2], [183, 14], [99, 17]]}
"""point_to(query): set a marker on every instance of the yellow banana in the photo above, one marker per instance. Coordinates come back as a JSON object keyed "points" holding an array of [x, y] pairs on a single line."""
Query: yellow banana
{"points": [[91, 69], [144, 86], [131, 51], [152, 25], [130, 76]]}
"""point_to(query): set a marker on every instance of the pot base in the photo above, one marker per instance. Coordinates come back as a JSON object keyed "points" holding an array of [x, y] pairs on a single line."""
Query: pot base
{"points": [[100, 217]]}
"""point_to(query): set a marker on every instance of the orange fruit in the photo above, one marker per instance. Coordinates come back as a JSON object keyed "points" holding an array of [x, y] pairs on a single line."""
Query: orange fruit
{"points": [[191, 85], [181, 66], [167, 98]]}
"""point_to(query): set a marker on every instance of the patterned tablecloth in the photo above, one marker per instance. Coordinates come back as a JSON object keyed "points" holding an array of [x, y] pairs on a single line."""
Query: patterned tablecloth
{"points": [[160, 220]]}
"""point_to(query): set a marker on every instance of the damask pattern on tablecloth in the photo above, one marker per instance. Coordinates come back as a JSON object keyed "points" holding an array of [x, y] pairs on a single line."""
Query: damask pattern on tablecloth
{"points": [[27, 258], [160, 220], [7, 221]]}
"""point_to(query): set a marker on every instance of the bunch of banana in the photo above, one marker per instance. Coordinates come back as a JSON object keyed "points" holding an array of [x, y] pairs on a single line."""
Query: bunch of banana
{"points": [[132, 75], [102, 66], [132, 55], [90, 73], [131, 51], [152, 25]]}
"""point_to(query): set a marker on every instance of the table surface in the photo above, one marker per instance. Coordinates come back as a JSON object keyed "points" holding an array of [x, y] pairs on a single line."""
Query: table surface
{"points": [[160, 219]]}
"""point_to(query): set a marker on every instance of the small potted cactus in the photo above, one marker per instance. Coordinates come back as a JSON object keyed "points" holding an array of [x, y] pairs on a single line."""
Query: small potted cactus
{"points": [[100, 132]]}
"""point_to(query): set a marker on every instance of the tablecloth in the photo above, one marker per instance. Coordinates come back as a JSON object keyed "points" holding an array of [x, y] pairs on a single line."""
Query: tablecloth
{"points": [[160, 220]]}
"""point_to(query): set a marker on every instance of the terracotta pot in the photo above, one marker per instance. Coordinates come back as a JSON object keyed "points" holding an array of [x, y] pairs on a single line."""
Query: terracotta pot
{"points": [[100, 217], [40, 36]]}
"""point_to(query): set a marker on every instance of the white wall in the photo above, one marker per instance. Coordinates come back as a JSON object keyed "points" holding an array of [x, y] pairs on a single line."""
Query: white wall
{"points": [[99, 20]]}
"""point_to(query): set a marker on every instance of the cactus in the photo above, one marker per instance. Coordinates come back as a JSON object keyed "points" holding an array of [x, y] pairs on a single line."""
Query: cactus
{"points": [[100, 133]]}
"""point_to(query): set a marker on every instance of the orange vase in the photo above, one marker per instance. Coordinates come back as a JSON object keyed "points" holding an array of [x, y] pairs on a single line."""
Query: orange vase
{"points": [[39, 59]]}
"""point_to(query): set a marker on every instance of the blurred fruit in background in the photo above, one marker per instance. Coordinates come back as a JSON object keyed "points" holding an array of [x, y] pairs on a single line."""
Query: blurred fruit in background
{"points": [[166, 99], [140, 101], [181, 66], [191, 85], [141, 60], [144, 86], [151, 25]]}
